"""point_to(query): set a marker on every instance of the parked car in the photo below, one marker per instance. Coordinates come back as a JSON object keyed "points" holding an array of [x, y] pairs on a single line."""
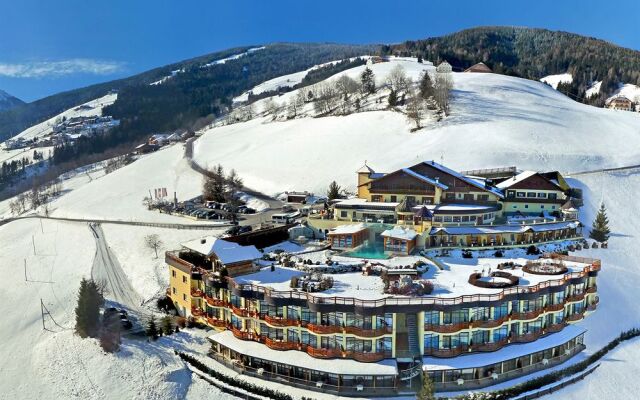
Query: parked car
{"points": [[245, 229], [234, 230], [125, 323]]}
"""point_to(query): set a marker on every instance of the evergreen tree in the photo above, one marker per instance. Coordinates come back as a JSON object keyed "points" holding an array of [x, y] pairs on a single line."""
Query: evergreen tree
{"points": [[426, 86], [600, 228], [427, 391], [167, 327], [393, 98], [88, 309], [334, 191], [110, 333], [420, 59], [152, 328], [368, 81]]}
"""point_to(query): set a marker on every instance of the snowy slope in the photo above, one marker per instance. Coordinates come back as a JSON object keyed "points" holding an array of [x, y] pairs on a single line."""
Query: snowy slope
{"points": [[500, 120], [593, 89], [631, 92], [119, 195], [8, 101], [555, 80], [46, 127]]}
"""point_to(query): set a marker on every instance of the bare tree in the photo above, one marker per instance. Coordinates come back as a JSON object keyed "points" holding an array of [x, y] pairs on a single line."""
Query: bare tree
{"points": [[398, 79], [443, 86], [415, 109], [15, 207], [325, 97], [153, 242], [270, 107]]}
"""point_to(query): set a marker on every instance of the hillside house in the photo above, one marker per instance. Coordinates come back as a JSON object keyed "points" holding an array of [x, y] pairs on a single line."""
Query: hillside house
{"points": [[619, 102], [479, 67], [531, 193]]}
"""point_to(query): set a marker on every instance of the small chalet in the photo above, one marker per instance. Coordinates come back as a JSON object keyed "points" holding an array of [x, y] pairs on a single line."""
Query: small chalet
{"points": [[159, 139], [235, 258], [348, 236], [297, 197], [479, 67], [619, 102]]}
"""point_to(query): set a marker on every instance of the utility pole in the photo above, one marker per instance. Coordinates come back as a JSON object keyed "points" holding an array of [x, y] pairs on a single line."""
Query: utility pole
{"points": [[33, 241], [42, 308], [25, 270]]}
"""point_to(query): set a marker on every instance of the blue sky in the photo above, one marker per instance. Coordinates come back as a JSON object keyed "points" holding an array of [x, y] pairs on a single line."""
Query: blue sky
{"points": [[51, 46]]}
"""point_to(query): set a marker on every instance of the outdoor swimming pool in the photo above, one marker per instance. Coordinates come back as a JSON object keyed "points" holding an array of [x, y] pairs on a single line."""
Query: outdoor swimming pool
{"points": [[368, 251]]}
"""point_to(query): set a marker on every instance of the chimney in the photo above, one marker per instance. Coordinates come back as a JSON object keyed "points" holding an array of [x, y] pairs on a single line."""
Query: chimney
{"points": [[203, 240]]}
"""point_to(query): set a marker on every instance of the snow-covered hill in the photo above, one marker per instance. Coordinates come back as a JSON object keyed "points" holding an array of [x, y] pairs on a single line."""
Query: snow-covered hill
{"points": [[555, 80], [628, 90], [496, 121]]}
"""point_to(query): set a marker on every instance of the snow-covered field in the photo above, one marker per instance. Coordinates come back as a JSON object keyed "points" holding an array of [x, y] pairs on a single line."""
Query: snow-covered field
{"points": [[496, 121], [628, 90], [555, 80]]}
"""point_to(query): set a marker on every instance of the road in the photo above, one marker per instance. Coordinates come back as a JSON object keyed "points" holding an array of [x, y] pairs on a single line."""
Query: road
{"points": [[171, 225], [107, 271], [603, 170]]}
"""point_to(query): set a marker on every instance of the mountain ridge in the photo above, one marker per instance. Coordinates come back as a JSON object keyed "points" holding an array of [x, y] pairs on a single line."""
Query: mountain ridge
{"points": [[8, 101]]}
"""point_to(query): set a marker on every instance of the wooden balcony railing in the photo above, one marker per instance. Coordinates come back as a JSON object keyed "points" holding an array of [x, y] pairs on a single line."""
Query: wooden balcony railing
{"points": [[213, 302], [196, 292], [554, 307], [527, 337], [594, 304], [217, 323], [449, 328], [575, 317], [354, 330], [525, 316], [324, 353], [281, 345], [592, 289], [324, 329], [576, 297], [556, 327], [490, 346], [489, 323], [445, 353], [279, 321], [366, 357], [240, 312], [197, 311]]}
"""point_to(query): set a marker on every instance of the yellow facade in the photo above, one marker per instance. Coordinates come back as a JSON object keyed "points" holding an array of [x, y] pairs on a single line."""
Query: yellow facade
{"points": [[180, 289]]}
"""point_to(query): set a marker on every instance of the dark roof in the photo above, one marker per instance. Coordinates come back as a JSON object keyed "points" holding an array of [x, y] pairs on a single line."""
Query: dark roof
{"points": [[423, 212], [479, 67], [569, 204]]}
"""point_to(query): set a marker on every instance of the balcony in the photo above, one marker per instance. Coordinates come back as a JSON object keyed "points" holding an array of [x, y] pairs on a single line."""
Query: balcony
{"points": [[527, 337], [576, 297], [592, 289], [324, 353], [554, 307], [217, 323], [240, 312], [324, 329], [213, 302], [594, 304], [556, 327], [197, 312], [367, 357], [490, 346], [195, 292], [490, 323], [281, 345], [575, 317], [279, 321], [446, 353], [354, 330], [528, 315], [449, 328]]}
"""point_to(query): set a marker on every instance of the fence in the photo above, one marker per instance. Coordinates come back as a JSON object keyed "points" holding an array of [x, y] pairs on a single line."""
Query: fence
{"points": [[559, 386]]}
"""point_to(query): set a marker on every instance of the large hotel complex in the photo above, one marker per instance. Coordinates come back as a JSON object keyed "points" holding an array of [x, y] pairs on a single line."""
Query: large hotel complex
{"points": [[425, 271]]}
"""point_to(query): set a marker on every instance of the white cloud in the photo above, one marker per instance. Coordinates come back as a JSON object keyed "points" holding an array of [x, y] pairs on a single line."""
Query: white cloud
{"points": [[39, 69]]}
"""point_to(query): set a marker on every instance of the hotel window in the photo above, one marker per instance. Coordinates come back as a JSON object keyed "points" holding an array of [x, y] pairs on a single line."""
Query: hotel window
{"points": [[483, 197], [531, 194], [542, 206], [447, 218], [500, 311], [552, 196], [500, 333], [343, 214], [383, 344], [468, 197], [173, 273], [184, 297], [376, 198], [437, 219], [455, 317], [553, 207], [184, 279], [481, 336], [521, 194], [526, 206], [456, 219], [310, 339], [174, 290], [431, 341], [542, 195], [427, 200], [453, 341], [411, 199], [511, 193], [465, 218], [450, 196], [480, 313], [432, 317], [393, 199]]}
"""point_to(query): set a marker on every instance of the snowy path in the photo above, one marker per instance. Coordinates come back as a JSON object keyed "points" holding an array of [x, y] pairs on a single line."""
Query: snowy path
{"points": [[106, 269]]}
